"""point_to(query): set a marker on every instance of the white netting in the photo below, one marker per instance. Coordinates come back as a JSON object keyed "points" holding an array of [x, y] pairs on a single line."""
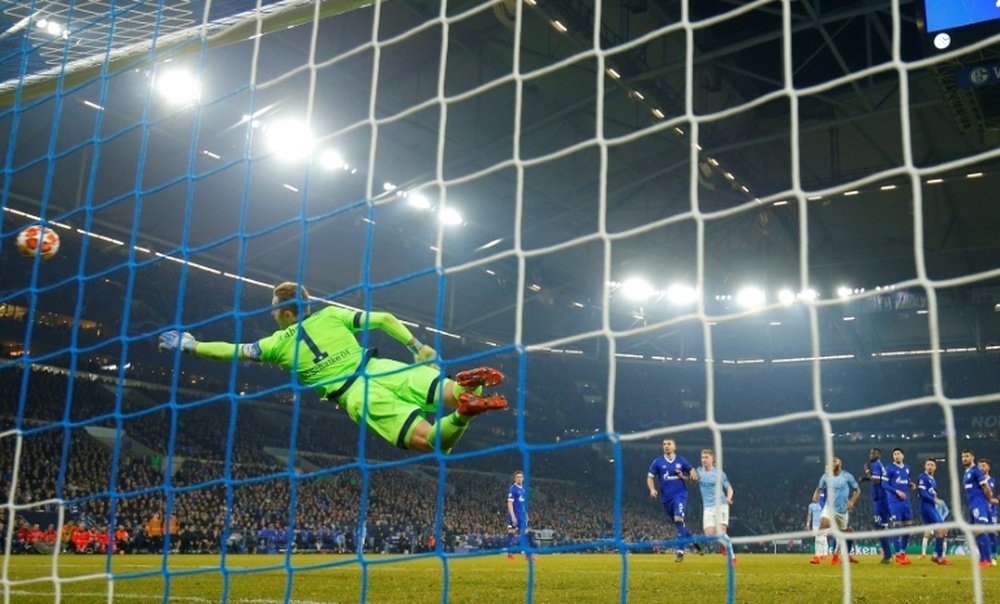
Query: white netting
{"points": [[583, 144]]}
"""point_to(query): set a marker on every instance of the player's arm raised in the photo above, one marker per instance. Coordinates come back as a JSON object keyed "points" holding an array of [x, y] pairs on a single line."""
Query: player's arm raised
{"points": [[392, 326], [217, 351]]}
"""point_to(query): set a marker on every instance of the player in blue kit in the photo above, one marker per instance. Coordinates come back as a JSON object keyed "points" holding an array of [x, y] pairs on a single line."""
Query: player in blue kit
{"points": [[845, 492], [517, 515], [875, 472], [897, 487], [715, 512], [929, 506], [978, 494], [984, 467], [671, 471]]}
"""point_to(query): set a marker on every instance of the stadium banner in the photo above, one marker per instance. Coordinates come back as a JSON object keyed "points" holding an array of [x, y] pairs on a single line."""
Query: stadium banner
{"points": [[978, 76]]}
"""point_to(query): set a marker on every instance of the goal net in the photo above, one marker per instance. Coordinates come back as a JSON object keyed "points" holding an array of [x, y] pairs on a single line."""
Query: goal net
{"points": [[762, 230]]}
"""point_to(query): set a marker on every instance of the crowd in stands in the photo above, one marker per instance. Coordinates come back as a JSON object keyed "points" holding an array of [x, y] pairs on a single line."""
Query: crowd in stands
{"points": [[204, 499]]}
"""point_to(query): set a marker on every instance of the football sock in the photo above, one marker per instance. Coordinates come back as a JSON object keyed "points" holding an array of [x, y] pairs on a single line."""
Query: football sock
{"points": [[820, 546], [983, 541], [823, 542], [460, 389], [451, 428], [938, 547], [683, 532], [904, 541], [886, 547], [923, 545]]}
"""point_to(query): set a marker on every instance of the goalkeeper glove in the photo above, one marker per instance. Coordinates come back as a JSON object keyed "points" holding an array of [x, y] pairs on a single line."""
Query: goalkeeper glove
{"points": [[421, 352], [426, 353], [173, 339]]}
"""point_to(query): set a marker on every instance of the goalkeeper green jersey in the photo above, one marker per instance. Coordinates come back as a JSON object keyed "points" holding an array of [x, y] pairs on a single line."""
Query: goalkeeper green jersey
{"points": [[327, 348]]}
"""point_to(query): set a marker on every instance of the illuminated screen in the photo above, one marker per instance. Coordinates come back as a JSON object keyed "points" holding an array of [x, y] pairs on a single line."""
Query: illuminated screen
{"points": [[949, 14]]}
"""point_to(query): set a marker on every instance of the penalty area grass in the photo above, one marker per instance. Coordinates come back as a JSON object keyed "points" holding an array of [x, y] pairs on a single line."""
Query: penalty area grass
{"points": [[554, 578]]}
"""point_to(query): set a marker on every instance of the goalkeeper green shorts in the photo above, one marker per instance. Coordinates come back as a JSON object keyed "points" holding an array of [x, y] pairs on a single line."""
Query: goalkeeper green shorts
{"points": [[398, 395]]}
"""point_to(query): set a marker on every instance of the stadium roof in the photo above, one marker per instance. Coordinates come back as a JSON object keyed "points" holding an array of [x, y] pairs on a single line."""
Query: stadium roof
{"points": [[576, 224]]}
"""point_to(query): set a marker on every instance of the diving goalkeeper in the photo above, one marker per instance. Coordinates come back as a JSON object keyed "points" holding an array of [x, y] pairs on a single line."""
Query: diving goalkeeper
{"points": [[334, 364]]}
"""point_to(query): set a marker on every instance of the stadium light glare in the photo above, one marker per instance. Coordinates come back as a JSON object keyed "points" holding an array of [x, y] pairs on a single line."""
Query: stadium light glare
{"points": [[786, 297], [419, 201], [331, 160], [178, 86], [638, 289], [843, 291], [751, 297], [451, 217], [680, 294], [808, 294], [290, 140]]}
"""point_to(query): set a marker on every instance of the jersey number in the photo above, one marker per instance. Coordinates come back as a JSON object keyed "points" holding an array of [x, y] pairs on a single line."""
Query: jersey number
{"points": [[318, 355]]}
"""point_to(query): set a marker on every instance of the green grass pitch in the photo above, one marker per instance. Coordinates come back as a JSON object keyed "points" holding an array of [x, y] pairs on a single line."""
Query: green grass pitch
{"points": [[557, 578]]}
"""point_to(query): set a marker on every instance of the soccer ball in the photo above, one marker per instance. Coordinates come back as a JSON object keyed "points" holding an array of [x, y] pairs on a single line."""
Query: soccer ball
{"points": [[37, 240]]}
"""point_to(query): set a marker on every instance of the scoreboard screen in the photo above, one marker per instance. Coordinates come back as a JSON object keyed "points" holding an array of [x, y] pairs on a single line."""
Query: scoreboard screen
{"points": [[942, 15], [948, 24]]}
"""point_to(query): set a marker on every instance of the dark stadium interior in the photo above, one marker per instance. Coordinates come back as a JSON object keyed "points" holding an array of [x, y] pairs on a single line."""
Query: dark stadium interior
{"points": [[161, 183]]}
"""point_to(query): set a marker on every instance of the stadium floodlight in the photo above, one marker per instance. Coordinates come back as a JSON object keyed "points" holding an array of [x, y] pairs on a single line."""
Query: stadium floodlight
{"points": [[808, 294], [843, 291], [53, 28], [418, 200], [751, 297], [786, 297], [638, 289], [289, 140], [178, 86], [680, 294], [451, 217], [331, 160]]}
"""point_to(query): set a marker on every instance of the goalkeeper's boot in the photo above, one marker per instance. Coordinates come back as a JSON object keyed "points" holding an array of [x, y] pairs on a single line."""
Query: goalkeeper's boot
{"points": [[470, 403], [480, 376], [835, 560], [680, 557]]}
